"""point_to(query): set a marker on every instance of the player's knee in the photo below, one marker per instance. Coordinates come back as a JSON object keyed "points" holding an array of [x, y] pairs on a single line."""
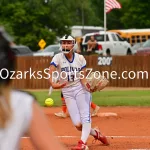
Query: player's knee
{"points": [[79, 127], [86, 119]]}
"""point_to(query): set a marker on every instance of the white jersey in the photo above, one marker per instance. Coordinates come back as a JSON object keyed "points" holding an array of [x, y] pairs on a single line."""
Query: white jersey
{"points": [[21, 104], [69, 70]]}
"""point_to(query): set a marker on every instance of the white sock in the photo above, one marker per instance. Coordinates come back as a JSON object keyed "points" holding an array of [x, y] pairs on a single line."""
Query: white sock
{"points": [[93, 133], [86, 128]]}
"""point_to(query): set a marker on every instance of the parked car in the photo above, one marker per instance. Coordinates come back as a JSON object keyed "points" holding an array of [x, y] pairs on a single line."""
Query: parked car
{"points": [[114, 44], [21, 50], [50, 50], [145, 49], [137, 46]]}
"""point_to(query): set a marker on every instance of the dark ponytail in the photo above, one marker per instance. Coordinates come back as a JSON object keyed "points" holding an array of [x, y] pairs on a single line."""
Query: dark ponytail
{"points": [[7, 64], [7, 57]]}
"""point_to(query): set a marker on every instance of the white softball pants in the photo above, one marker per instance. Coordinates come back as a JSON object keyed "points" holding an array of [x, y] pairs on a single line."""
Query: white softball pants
{"points": [[78, 102]]}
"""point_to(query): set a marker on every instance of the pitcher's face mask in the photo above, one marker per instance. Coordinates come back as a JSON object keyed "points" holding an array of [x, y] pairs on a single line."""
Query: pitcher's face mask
{"points": [[67, 46]]}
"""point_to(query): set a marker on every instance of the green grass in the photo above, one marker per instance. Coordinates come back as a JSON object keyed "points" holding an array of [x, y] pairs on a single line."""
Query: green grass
{"points": [[104, 98]]}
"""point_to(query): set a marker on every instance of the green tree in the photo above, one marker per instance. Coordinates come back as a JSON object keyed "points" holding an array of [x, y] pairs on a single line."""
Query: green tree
{"points": [[28, 21], [137, 14], [33, 20], [98, 9]]}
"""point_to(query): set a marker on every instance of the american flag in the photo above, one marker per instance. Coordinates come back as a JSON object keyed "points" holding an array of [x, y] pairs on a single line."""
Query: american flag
{"points": [[112, 4]]}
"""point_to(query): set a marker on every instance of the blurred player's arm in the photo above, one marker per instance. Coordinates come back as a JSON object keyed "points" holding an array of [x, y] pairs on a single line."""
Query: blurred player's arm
{"points": [[41, 132]]}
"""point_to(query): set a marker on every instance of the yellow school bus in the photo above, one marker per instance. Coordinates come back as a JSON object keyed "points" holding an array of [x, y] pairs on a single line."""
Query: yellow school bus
{"points": [[134, 36]]}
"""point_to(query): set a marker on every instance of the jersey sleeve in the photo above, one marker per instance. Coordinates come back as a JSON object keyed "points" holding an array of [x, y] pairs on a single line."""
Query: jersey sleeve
{"points": [[55, 61], [83, 62]]}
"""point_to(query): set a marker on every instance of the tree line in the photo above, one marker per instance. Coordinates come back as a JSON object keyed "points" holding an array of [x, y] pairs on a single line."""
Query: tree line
{"points": [[28, 21]]}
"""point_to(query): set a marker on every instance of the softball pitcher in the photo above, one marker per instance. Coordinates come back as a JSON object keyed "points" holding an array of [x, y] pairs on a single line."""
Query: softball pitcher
{"points": [[63, 113], [77, 97]]}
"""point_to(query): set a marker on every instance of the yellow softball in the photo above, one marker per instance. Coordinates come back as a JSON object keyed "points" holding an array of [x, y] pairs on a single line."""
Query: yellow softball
{"points": [[49, 102]]}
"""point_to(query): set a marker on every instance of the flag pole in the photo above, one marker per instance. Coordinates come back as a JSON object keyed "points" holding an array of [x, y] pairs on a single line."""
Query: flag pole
{"points": [[105, 22]]}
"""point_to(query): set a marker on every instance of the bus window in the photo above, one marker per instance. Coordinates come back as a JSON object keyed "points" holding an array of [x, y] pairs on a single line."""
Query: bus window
{"points": [[143, 39], [133, 40], [138, 40]]}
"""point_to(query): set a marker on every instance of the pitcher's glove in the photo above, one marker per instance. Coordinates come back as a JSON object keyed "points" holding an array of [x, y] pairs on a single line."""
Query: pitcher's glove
{"points": [[96, 82]]}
